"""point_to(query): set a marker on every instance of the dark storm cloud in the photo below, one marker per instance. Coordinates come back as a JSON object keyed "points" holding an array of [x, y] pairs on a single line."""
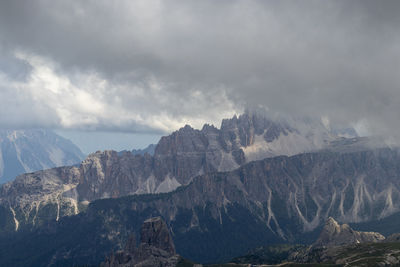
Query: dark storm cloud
{"points": [[171, 62]]}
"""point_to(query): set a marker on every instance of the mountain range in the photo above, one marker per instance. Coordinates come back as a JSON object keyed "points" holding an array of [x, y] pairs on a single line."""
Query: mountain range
{"points": [[177, 158], [223, 191], [23, 151]]}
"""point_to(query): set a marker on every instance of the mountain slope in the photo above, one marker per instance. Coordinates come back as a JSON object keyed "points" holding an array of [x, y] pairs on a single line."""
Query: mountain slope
{"points": [[23, 151], [221, 215]]}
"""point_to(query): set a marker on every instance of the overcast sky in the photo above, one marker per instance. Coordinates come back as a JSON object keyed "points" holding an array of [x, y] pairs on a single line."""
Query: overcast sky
{"points": [[150, 67]]}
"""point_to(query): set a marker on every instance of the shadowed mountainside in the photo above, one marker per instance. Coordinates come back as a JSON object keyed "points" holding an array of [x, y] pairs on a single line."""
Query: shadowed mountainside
{"points": [[275, 200]]}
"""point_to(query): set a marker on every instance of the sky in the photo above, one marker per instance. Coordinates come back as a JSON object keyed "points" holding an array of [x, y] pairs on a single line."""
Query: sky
{"points": [[143, 69], [92, 141]]}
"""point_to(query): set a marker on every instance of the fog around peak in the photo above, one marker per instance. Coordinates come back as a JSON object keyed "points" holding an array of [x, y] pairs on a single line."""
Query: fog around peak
{"points": [[154, 66]]}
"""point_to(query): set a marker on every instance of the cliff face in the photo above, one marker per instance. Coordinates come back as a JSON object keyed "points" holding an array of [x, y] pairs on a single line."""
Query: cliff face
{"points": [[305, 189], [35, 197], [154, 232], [156, 248]]}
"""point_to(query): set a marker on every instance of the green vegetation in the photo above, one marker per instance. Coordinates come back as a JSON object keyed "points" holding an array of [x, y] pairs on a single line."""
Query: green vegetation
{"points": [[368, 254], [268, 255], [184, 263]]}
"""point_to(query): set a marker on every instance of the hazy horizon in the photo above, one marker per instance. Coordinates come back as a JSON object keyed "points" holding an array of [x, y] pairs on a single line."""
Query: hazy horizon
{"points": [[90, 142]]}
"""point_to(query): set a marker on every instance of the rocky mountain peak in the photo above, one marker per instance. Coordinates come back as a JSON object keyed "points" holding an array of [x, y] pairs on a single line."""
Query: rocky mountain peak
{"points": [[331, 226], [154, 232], [23, 151], [185, 139], [210, 130], [335, 234], [156, 248], [187, 127]]}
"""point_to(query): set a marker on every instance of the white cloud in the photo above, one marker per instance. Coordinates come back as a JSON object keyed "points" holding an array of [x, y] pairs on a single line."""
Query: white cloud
{"points": [[155, 65], [85, 100]]}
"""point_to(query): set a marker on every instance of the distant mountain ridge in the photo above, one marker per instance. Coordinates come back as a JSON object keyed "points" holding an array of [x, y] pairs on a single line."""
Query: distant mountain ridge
{"points": [[23, 151], [150, 149]]}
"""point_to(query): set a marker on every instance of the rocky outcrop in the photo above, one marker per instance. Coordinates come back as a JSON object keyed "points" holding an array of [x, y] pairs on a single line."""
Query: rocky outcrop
{"points": [[23, 151], [155, 249], [155, 233], [335, 234], [340, 244]]}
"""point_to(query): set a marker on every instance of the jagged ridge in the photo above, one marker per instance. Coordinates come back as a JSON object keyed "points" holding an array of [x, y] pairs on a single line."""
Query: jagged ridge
{"points": [[177, 159]]}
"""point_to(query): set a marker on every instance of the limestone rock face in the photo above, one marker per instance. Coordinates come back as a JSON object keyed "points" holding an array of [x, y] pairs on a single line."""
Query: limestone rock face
{"points": [[156, 248], [334, 234], [154, 232]]}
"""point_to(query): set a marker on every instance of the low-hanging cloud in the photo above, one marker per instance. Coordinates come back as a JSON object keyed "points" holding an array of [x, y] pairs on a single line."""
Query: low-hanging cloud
{"points": [[49, 98], [152, 66]]}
